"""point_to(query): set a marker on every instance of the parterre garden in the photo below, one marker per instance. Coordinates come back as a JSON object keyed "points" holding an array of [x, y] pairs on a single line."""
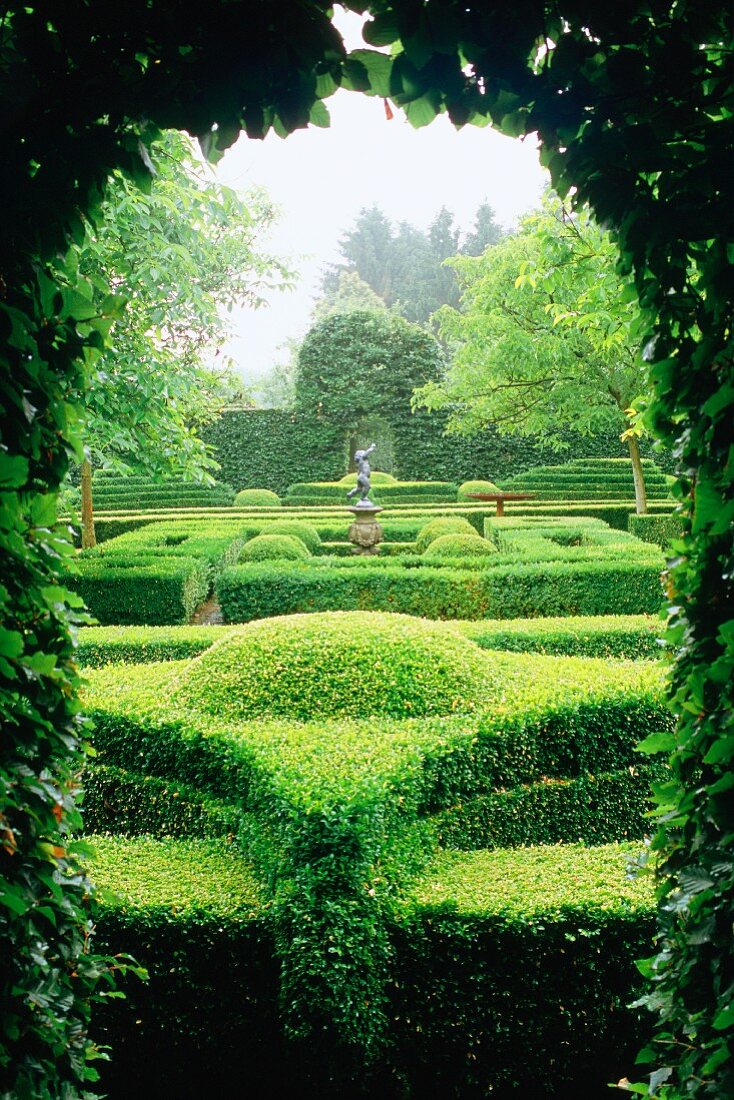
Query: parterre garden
{"points": [[371, 833]]}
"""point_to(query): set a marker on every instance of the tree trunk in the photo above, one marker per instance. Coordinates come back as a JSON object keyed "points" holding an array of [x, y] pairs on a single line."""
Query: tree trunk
{"points": [[637, 475], [88, 536]]}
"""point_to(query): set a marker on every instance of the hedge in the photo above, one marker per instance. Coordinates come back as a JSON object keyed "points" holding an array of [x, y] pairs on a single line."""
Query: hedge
{"points": [[338, 802], [193, 913], [306, 532], [404, 492], [442, 525], [592, 809], [528, 589], [467, 488], [156, 574], [256, 498], [514, 973], [256, 447], [632, 637], [268, 547], [661, 530], [127, 804], [167, 590], [459, 547], [102, 645]]}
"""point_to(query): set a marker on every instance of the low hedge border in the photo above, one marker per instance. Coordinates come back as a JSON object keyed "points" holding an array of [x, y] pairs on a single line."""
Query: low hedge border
{"points": [[126, 804], [627, 637], [661, 530], [514, 971], [249, 592], [592, 809]]}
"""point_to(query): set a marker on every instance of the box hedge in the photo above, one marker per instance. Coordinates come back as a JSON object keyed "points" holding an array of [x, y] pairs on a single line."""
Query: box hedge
{"points": [[342, 807], [661, 530], [528, 589], [269, 547]]}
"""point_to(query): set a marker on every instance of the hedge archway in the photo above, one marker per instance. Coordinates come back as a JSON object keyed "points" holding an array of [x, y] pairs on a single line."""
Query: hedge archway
{"points": [[632, 103]]}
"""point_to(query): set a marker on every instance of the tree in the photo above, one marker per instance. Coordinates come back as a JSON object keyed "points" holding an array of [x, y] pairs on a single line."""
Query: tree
{"points": [[404, 265], [352, 366], [544, 342], [164, 265], [484, 234], [347, 294]]}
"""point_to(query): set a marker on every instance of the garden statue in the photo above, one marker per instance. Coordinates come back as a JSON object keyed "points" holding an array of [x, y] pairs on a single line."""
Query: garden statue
{"points": [[363, 475]]}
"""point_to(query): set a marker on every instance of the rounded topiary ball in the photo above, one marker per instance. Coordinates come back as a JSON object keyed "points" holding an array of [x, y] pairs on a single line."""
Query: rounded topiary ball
{"points": [[274, 547], [468, 487], [308, 535], [337, 663], [257, 498], [377, 477], [443, 525], [459, 546]]}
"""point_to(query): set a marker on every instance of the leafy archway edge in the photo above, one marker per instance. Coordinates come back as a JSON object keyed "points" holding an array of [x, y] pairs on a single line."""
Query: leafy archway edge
{"points": [[633, 104]]}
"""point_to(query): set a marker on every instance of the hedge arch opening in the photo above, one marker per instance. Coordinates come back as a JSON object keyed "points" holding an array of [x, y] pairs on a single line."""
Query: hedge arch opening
{"points": [[632, 105]]}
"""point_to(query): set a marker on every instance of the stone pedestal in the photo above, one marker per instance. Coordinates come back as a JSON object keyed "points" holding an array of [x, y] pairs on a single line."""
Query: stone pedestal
{"points": [[365, 532]]}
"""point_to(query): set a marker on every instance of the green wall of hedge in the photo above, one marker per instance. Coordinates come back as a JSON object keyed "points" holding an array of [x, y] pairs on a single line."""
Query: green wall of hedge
{"points": [[273, 448]]}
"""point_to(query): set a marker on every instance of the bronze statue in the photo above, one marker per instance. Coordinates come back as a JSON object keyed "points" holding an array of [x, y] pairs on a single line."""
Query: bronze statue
{"points": [[363, 474]]}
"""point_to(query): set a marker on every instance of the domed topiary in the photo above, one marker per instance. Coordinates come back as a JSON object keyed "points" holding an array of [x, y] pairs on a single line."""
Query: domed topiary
{"points": [[443, 525], [459, 546], [338, 663], [377, 477], [308, 535], [468, 487], [257, 498], [273, 547]]}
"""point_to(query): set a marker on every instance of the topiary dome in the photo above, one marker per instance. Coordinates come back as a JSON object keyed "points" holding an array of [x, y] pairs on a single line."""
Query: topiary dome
{"points": [[459, 546], [274, 547], [337, 664], [442, 525]]}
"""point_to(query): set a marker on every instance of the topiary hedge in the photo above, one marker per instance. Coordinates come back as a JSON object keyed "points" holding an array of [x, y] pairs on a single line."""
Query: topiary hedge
{"points": [[633, 637], [459, 546], [514, 973], [467, 488], [256, 498], [323, 666], [274, 547], [306, 532], [442, 525]]}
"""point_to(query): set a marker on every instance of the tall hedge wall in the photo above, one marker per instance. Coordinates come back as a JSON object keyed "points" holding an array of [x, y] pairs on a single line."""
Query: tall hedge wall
{"points": [[273, 448]]}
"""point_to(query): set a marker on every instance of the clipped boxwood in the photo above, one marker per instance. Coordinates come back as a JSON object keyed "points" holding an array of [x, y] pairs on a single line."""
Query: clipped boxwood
{"points": [[630, 637], [442, 525], [102, 645], [256, 498], [308, 534], [322, 666], [515, 970], [459, 546], [468, 487], [661, 530], [274, 547]]}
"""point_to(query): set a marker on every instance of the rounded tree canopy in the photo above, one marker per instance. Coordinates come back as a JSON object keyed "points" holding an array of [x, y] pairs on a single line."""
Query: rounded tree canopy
{"points": [[355, 365]]}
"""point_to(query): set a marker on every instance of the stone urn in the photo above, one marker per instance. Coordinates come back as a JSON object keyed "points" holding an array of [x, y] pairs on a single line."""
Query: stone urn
{"points": [[365, 532]]}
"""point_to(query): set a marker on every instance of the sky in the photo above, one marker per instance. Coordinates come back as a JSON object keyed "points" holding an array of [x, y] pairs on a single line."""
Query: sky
{"points": [[321, 178]]}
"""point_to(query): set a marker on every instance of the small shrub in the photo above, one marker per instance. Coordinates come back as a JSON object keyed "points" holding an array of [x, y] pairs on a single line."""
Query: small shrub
{"points": [[308, 535], [257, 498], [468, 487], [459, 546], [443, 525], [273, 548]]}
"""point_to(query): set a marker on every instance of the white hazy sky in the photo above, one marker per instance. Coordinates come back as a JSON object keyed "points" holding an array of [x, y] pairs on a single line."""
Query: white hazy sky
{"points": [[321, 178]]}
